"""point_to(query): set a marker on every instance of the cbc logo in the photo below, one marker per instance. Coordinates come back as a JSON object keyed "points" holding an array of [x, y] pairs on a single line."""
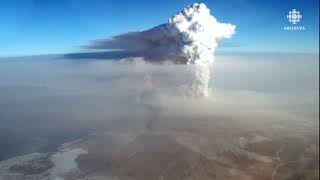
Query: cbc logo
{"points": [[294, 16]]}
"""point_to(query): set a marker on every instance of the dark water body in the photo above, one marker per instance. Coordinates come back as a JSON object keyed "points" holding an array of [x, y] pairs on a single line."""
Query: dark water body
{"points": [[20, 143]]}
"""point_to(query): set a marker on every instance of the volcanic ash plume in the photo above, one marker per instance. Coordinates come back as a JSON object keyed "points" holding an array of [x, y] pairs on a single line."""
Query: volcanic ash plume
{"points": [[197, 32], [190, 37]]}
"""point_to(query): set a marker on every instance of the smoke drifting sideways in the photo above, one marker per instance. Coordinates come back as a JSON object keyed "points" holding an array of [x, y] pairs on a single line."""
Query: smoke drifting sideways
{"points": [[190, 37]]}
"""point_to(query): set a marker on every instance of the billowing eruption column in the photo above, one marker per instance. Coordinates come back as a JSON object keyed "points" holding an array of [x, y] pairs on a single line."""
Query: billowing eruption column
{"points": [[197, 32], [190, 37]]}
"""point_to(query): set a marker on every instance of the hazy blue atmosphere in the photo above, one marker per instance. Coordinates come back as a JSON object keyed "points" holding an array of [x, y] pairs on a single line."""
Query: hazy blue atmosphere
{"points": [[30, 27], [230, 95]]}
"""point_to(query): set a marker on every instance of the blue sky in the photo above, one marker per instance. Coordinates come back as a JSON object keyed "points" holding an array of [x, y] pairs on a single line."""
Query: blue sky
{"points": [[29, 27]]}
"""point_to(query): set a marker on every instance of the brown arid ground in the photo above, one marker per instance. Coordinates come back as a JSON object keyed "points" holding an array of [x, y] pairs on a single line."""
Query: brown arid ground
{"points": [[171, 150], [153, 156]]}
